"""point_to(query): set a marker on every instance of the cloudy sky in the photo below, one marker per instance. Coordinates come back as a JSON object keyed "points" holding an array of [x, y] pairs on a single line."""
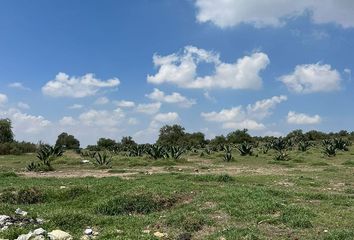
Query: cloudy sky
{"points": [[117, 68]]}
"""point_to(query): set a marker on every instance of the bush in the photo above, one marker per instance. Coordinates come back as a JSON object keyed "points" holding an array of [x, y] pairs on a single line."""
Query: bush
{"points": [[141, 204], [17, 148], [30, 195]]}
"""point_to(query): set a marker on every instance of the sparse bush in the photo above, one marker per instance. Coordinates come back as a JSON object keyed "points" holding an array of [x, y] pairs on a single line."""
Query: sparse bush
{"points": [[30, 195], [140, 204]]}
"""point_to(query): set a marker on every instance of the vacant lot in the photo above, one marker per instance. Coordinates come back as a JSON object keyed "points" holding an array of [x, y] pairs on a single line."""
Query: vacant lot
{"points": [[197, 197]]}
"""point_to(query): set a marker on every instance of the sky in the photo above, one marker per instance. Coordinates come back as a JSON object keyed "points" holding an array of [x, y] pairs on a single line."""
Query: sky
{"points": [[125, 68]]}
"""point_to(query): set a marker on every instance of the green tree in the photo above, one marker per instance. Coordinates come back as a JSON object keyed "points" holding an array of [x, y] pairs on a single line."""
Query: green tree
{"points": [[6, 134], [239, 136], [127, 142], [171, 135], [67, 141], [218, 141], [194, 139], [106, 143]]}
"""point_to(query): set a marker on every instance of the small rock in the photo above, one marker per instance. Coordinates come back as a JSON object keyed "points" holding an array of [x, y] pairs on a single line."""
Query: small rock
{"points": [[85, 161], [62, 187], [4, 219], [160, 234], [21, 212], [39, 231], [325, 231], [4, 228], [94, 233], [25, 236], [119, 231], [88, 231], [40, 237], [59, 235], [147, 231], [39, 220]]}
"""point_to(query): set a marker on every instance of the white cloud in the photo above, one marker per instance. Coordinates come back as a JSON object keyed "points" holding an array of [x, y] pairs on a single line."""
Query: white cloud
{"points": [[23, 105], [3, 99], [25, 124], [274, 13], [181, 69], [102, 101], [175, 97], [67, 121], [125, 104], [77, 87], [149, 108], [262, 108], [166, 117], [102, 118], [311, 78], [76, 106], [302, 119], [18, 85], [133, 121], [245, 117]]}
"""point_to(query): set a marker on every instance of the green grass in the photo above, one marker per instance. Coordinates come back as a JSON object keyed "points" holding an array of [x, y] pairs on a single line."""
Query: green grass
{"points": [[308, 197]]}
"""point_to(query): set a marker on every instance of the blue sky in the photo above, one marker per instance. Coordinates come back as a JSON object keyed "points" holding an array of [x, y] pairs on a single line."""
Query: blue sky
{"points": [[116, 68]]}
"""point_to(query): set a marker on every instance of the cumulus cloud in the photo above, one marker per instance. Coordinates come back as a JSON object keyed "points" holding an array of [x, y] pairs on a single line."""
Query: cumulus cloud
{"points": [[23, 105], [77, 87], [309, 78], [67, 121], [149, 108], [3, 99], [274, 13], [102, 101], [245, 117], [25, 124], [175, 97], [18, 85], [181, 69], [102, 118], [125, 104], [302, 119]]}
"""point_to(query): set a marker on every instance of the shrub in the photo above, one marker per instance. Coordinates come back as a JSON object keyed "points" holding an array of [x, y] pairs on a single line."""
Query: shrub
{"points": [[141, 204], [103, 159], [30, 195]]}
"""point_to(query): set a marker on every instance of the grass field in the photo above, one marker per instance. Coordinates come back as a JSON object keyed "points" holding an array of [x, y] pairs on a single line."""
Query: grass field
{"points": [[253, 197]]}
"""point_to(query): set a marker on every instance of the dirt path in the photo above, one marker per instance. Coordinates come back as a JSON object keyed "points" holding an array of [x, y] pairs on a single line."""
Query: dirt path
{"points": [[158, 170]]}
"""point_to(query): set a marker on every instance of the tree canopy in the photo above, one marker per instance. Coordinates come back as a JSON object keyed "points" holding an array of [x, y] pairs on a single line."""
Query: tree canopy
{"points": [[6, 134], [67, 141]]}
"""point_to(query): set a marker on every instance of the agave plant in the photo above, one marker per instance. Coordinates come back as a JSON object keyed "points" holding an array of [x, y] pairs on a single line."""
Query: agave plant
{"points": [[136, 151], [32, 167], [245, 149], [304, 146], [280, 145], [155, 151], [103, 159], [175, 152], [330, 150], [227, 153], [341, 144]]}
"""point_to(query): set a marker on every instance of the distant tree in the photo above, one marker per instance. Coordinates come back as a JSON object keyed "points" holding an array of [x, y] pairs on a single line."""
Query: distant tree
{"points": [[314, 135], [296, 136], [193, 139], [127, 142], [106, 143], [67, 141], [218, 141], [239, 136], [171, 135], [6, 134], [343, 133]]}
